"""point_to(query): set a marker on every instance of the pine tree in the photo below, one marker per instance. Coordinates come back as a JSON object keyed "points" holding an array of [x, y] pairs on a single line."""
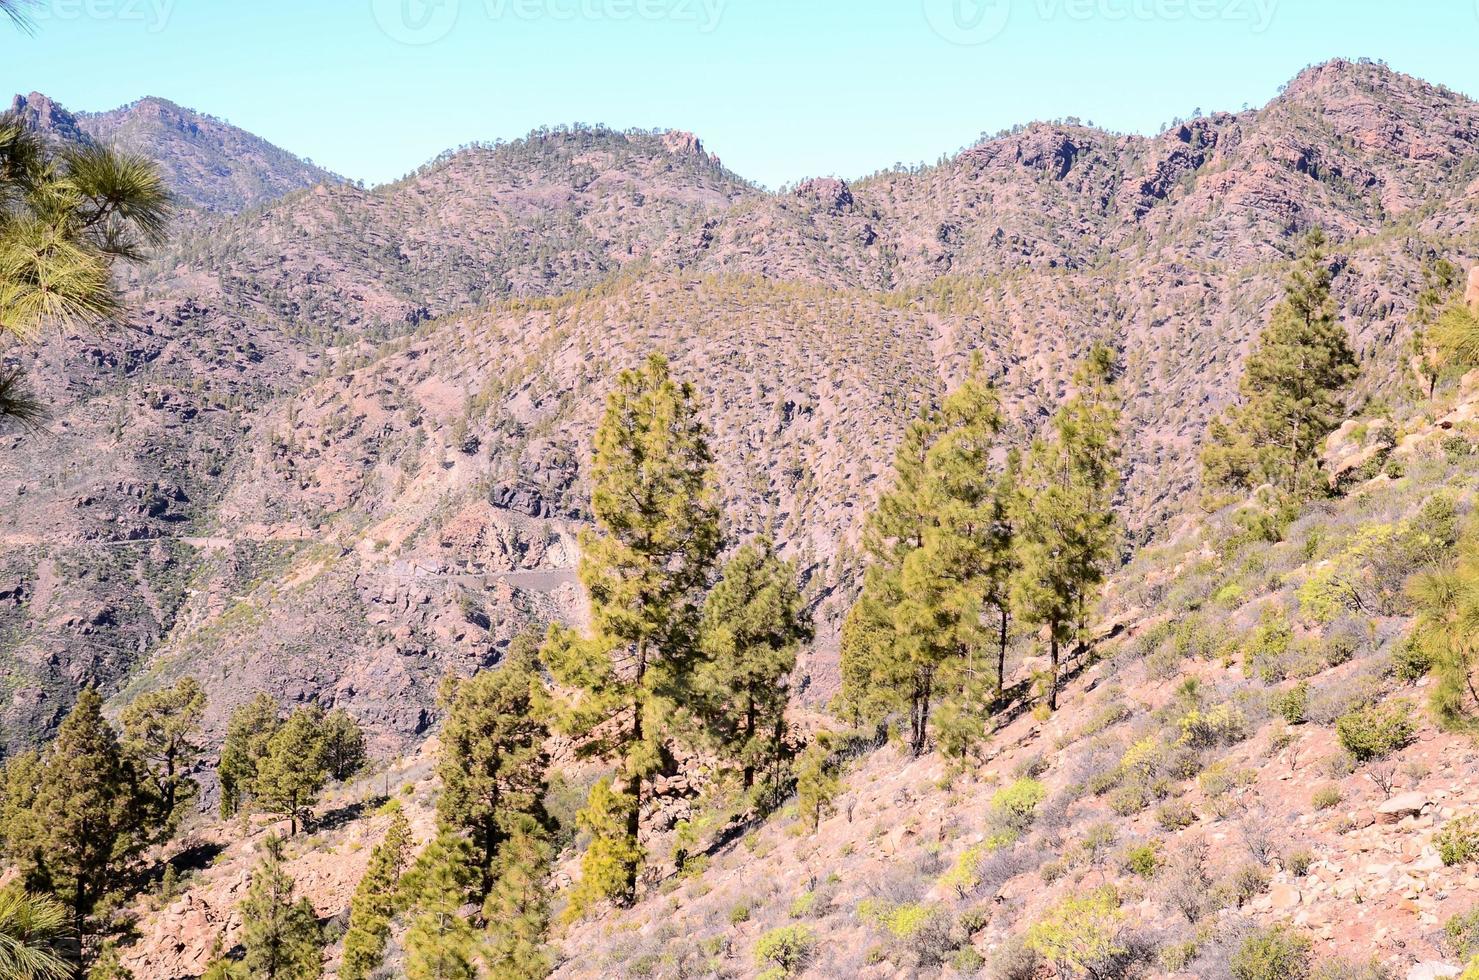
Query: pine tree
{"points": [[1066, 530], [817, 781], [517, 909], [292, 772], [82, 823], [375, 902], [441, 944], [948, 581], [162, 728], [941, 557], [1291, 388], [754, 621], [612, 852], [493, 760], [644, 568], [883, 670], [281, 936], [247, 734], [66, 216], [1445, 633], [342, 745]]}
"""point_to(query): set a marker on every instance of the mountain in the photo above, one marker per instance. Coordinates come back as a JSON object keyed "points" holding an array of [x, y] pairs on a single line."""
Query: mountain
{"points": [[208, 163], [339, 449], [334, 416]]}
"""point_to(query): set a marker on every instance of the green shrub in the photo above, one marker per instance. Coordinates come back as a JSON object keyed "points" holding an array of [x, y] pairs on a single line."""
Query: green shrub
{"points": [[1079, 933], [963, 876], [1276, 953], [1246, 884], [1376, 731], [1292, 704], [1298, 862], [1410, 661], [739, 913], [1143, 860], [1014, 807], [1175, 815], [906, 921], [1461, 935], [966, 961], [1327, 797], [1222, 725], [1266, 647], [786, 949], [804, 906], [1458, 841]]}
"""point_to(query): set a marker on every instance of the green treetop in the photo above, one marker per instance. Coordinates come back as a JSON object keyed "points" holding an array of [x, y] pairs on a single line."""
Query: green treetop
{"points": [[162, 729], [247, 733], [281, 935], [441, 944], [293, 772], [375, 902], [79, 814]]}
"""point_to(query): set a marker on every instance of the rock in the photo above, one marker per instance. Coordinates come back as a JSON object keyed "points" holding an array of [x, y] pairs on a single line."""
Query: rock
{"points": [[1471, 295], [1401, 806], [1283, 896], [1432, 970]]}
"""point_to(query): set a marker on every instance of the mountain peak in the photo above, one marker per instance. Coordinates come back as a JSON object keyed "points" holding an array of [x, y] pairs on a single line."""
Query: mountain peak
{"points": [[44, 115]]}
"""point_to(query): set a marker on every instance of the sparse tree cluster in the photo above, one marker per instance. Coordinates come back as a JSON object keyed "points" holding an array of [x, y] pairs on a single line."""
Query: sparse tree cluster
{"points": [[77, 818], [272, 764], [961, 545]]}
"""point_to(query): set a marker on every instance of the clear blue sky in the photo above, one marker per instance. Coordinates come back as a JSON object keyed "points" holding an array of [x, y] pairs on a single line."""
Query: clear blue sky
{"points": [[781, 89]]}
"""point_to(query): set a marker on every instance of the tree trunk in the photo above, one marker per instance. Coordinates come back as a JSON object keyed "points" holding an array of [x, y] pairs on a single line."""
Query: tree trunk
{"points": [[1053, 668], [1001, 656], [749, 737]]}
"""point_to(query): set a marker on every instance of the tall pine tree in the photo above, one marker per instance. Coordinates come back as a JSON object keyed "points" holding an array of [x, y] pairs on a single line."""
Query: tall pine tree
{"points": [[517, 909], [248, 732], [644, 569], [940, 548], [162, 729], [374, 903], [493, 759], [754, 622], [79, 815], [1066, 531], [1292, 388], [293, 771], [883, 671]]}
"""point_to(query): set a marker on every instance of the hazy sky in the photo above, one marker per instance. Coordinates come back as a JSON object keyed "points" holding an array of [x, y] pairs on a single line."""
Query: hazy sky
{"points": [[781, 89]]}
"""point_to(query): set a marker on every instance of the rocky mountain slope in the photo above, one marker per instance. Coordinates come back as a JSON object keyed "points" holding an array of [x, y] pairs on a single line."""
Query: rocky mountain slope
{"points": [[208, 163], [1196, 769], [338, 449]]}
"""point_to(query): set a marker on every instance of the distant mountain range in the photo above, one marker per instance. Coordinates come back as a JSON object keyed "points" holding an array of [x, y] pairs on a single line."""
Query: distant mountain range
{"points": [[338, 449]]}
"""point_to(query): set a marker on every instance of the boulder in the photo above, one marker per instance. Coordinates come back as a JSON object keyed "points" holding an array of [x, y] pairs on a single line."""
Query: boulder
{"points": [[1432, 970], [1400, 806]]}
